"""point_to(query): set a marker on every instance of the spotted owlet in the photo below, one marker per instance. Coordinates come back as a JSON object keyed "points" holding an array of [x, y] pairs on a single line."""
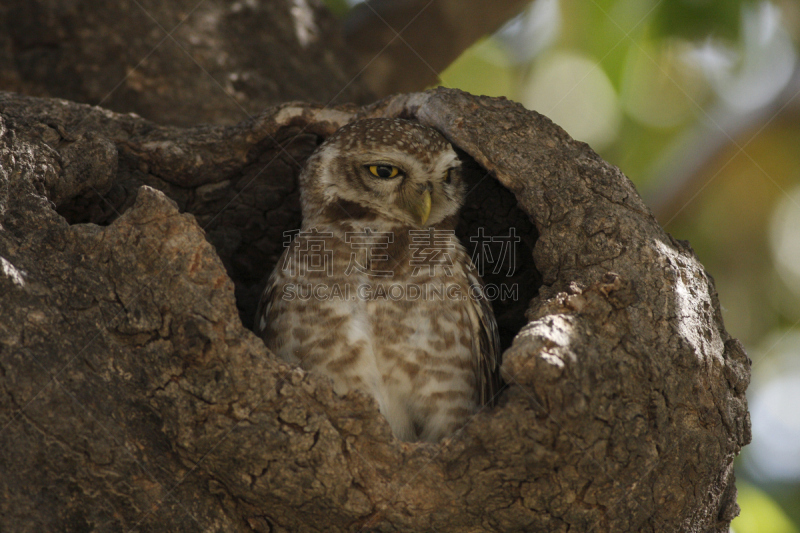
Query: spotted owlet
{"points": [[376, 291]]}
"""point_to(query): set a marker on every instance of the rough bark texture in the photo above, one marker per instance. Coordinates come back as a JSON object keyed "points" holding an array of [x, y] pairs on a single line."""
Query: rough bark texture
{"points": [[134, 398], [180, 62]]}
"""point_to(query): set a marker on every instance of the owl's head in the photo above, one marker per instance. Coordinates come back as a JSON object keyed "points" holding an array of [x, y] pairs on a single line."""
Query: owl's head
{"points": [[383, 170]]}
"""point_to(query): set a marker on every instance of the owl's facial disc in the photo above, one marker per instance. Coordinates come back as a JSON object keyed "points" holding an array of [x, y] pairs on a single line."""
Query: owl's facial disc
{"points": [[416, 193], [383, 172], [430, 196], [413, 199]]}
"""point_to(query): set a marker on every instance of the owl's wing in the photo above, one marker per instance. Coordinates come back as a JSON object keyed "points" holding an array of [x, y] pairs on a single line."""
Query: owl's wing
{"points": [[265, 304], [484, 331], [270, 294]]}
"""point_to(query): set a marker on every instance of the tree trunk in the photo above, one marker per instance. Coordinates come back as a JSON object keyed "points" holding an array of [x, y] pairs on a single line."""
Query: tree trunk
{"points": [[135, 397], [180, 62]]}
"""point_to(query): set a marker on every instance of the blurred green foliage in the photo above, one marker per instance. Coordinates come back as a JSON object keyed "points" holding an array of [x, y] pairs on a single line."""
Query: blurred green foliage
{"points": [[482, 68], [763, 514], [698, 19], [338, 7]]}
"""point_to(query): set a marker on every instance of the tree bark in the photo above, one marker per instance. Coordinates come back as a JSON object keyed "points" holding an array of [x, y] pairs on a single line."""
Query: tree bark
{"points": [[134, 397], [181, 62]]}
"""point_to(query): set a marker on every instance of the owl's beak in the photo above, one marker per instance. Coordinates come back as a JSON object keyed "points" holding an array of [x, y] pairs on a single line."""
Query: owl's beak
{"points": [[425, 207], [419, 206]]}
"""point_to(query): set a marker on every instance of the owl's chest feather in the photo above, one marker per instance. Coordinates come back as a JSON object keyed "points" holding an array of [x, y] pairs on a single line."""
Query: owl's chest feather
{"points": [[380, 316]]}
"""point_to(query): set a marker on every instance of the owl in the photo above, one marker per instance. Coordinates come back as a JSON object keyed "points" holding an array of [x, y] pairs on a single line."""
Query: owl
{"points": [[375, 291]]}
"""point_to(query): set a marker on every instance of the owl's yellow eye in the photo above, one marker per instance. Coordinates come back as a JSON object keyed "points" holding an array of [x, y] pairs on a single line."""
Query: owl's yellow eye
{"points": [[448, 178], [383, 171]]}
